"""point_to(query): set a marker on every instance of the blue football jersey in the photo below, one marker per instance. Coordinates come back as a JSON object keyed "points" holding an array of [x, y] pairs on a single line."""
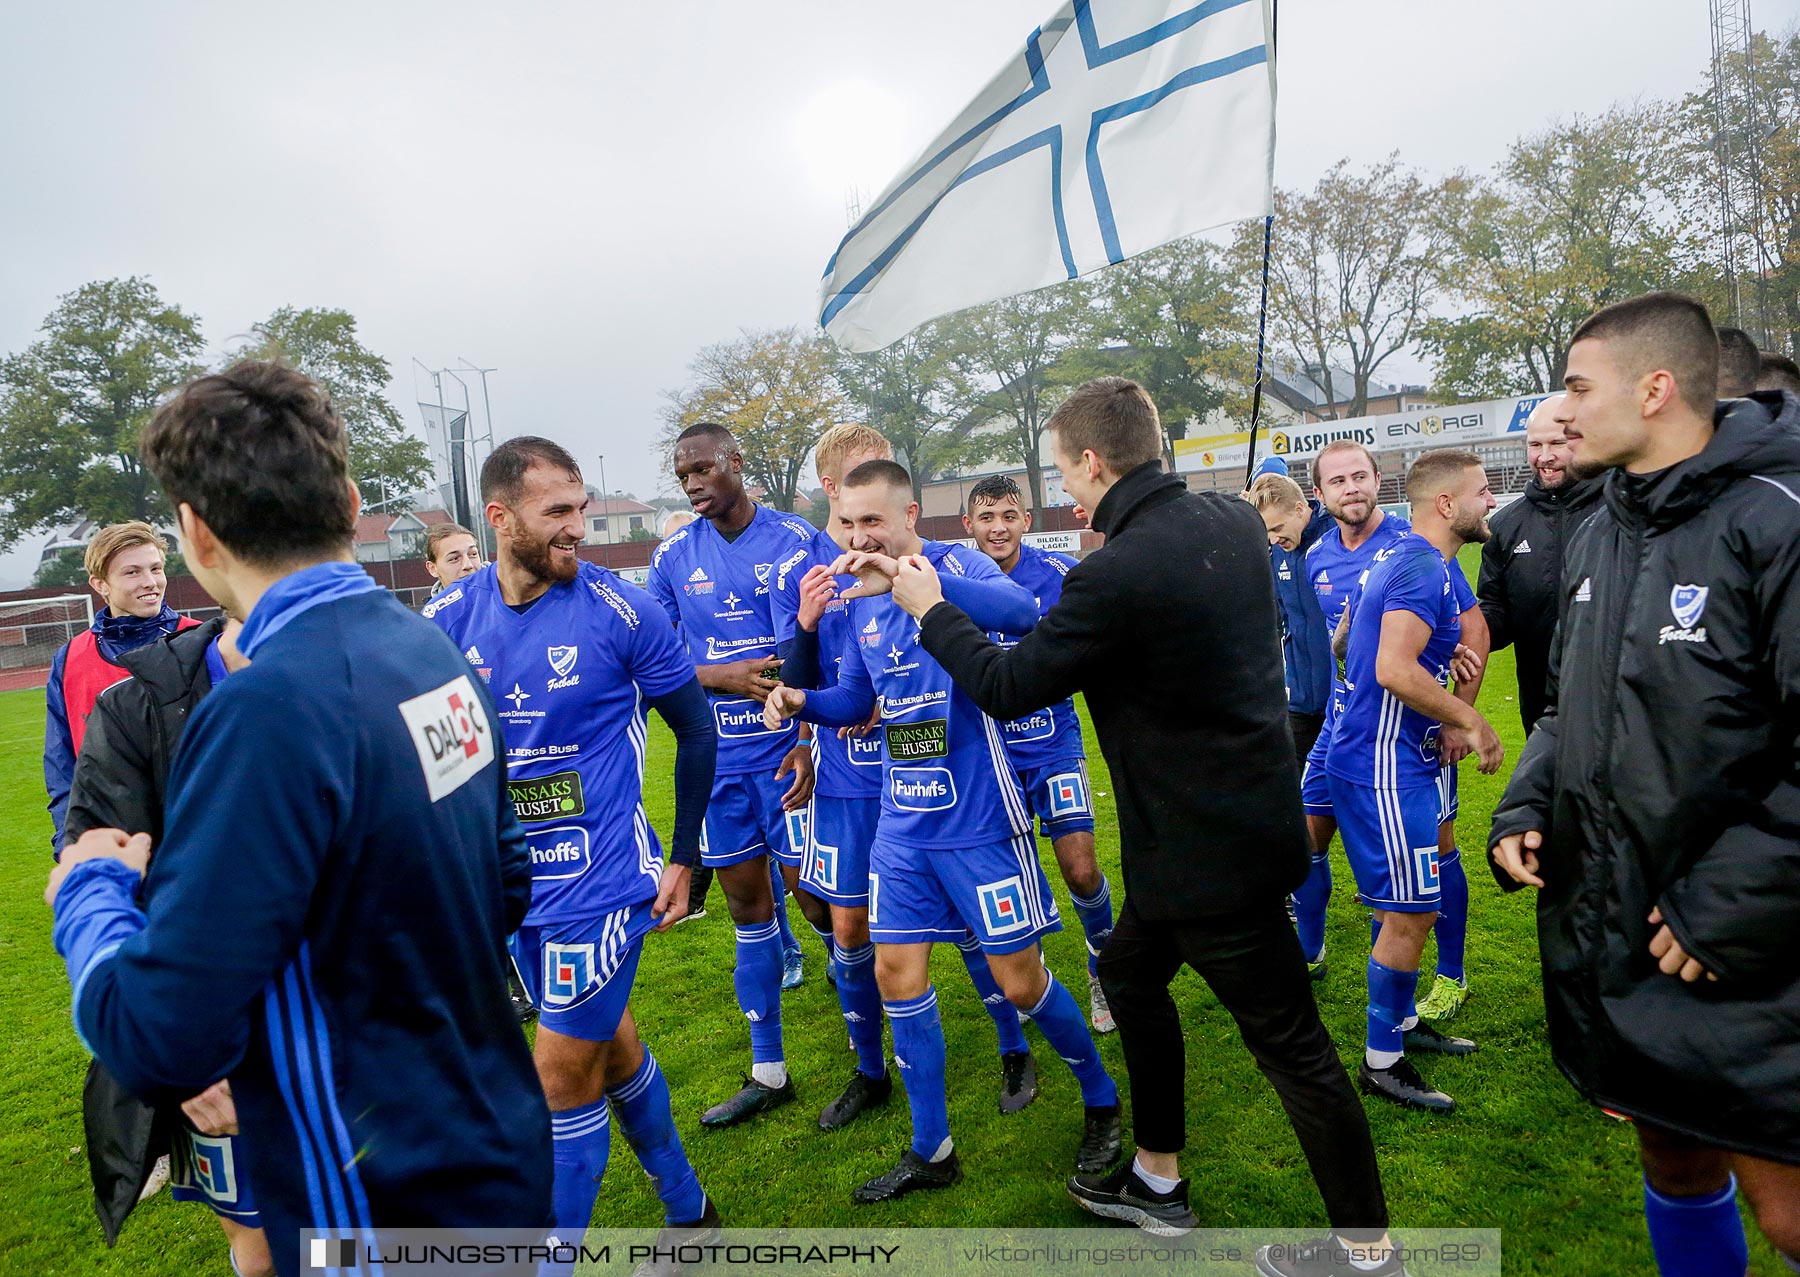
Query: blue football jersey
{"points": [[848, 767], [720, 595], [1053, 734], [1378, 740], [570, 679], [946, 779], [1337, 573]]}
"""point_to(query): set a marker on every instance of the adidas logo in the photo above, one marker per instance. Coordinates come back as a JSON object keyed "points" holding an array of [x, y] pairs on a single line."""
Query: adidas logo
{"points": [[1524, 547], [473, 655], [1585, 593], [853, 1017], [872, 627], [698, 574]]}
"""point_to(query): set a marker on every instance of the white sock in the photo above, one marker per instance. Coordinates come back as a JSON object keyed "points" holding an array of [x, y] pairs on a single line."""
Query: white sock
{"points": [[770, 1073], [1155, 1183], [1411, 1022], [1362, 1255], [943, 1150], [1383, 1059]]}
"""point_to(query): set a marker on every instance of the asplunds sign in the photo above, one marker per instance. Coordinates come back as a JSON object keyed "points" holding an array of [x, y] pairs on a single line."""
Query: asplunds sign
{"points": [[1452, 427]]}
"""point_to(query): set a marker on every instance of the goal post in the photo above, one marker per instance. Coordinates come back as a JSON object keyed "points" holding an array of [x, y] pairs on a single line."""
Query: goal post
{"points": [[32, 629]]}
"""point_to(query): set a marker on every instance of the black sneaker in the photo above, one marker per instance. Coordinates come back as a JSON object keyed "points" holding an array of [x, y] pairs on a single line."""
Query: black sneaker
{"points": [[1403, 1085], [700, 1232], [753, 1099], [1324, 1257], [1101, 1139], [910, 1173], [1120, 1194], [864, 1092], [1018, 1080], [1424, 1036]]}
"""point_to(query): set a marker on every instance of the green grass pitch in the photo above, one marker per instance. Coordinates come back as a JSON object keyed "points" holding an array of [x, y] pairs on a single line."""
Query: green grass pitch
{"points": [[1522, 1153]]}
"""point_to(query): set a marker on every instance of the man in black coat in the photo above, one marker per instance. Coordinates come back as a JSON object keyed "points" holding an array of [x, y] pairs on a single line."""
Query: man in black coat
{"points": [[121, 779], [1520, 588], [1657, 803], [1170, 630]]}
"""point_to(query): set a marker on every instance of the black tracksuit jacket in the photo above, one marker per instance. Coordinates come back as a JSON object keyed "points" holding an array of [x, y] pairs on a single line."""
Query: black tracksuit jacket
{"points": [[1520, 588], [1666, 774]]}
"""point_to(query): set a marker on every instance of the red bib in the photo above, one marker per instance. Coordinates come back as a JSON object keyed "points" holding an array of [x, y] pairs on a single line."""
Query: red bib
{"points": [[86, 674]]}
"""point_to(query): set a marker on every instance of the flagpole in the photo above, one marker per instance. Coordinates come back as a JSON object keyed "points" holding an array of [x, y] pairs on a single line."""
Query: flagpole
{"points": [[1262, 310], [1262, 323]]}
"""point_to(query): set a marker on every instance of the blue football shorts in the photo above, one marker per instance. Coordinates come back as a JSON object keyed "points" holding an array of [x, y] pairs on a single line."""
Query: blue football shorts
{"points": [[744, 820], [1059, 796], [1315, 789], [836, 868], [1390, 839], [1449, 802], [996, 891], [578, 971], [210, 1169]]}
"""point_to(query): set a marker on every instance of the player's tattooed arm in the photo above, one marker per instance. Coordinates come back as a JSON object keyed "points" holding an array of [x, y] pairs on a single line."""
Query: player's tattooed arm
{"points": [[755, 678]]}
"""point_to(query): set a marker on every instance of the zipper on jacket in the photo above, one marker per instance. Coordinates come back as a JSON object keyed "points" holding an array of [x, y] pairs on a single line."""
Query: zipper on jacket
{"points": [[1640, 552]]}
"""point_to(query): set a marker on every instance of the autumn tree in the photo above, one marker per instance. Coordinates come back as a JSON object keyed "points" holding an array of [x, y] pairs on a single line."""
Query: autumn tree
{"points": [[1007, 358], [1352, 274], [775, 391], [908, 391], [324, 345], [73, 403], [1573, 218]]}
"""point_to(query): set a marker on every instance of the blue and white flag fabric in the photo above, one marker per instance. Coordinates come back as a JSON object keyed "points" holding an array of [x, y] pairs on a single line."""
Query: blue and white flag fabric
{"points": [[1123, 125]]}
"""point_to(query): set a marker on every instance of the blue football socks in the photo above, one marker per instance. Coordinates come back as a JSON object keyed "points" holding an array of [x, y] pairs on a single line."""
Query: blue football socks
{"points": [[649, 1127], [1064, 1026], [757, 979], [1096, 914], [580, 1140], [1697, 1236], [919, 1054], [1310, 902], [861, 1003], [1005, 1017], [1452, 925], [1390, 1007]]}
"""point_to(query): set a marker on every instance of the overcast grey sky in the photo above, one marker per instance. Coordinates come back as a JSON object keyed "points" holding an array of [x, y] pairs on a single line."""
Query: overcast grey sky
{"points": [[581, 195]]}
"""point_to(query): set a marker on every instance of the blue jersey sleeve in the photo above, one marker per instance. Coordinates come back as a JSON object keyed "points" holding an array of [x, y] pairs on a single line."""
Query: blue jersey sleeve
{"points": [[59, 750], [847, 704], [661, 590], [985, 594], [1460, 588], [1418, 586]]}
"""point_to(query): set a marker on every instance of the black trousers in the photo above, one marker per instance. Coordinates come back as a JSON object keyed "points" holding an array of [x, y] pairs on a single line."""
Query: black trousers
{"points": [[1253, 963]]}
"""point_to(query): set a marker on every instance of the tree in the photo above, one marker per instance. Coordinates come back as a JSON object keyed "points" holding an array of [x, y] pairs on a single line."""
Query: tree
{"points": [[1757, 131], [74, 402], [323, 344], [773, 390], [1351, 274], [1572, 220], [1006, 358], [65, 567], [907, 392], [1174, 312]]}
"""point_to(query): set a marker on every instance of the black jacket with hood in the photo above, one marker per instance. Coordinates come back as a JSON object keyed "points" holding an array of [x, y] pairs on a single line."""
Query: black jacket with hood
{"points": [[1666, 775], [121, 777], [1521, 578]]}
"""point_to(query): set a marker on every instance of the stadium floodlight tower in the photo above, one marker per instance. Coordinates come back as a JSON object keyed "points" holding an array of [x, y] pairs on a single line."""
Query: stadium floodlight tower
{"points": [[459, 433], [1737, 148]]}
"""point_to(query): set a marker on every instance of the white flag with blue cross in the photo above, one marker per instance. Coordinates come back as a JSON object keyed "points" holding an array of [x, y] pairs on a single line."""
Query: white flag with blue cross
{"points": [[1123, 125]]}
